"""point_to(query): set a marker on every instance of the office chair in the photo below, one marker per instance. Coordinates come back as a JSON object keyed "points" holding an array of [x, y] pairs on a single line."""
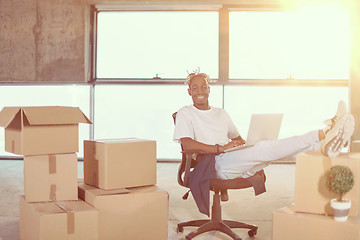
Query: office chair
{"points": [[219, 187]]}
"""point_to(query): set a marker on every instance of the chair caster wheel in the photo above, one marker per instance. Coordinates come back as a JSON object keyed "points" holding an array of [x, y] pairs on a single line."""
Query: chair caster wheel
{"points": [[252, 232], [180, 229]]}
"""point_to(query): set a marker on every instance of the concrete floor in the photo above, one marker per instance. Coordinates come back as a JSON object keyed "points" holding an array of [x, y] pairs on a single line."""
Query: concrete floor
{"points": [[242, 206]]}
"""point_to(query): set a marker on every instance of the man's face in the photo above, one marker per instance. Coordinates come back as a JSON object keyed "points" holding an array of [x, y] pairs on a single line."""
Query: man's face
{"points": [[199, 91]]}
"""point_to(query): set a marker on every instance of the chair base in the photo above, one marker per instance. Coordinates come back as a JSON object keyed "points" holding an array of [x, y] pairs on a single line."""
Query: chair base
{"points": [[223, 226]]}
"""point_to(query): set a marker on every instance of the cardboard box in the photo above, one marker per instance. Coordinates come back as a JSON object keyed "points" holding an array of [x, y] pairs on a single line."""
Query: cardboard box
{"points": [[41, 130], [119, 163], [129, 214], [355, 146], [50, 177], [311, 193], [289, 225], [58, 220]]}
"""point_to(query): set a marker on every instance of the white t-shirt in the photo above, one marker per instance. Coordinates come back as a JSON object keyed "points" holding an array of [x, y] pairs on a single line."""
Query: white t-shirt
{"points": [[213, 126]]}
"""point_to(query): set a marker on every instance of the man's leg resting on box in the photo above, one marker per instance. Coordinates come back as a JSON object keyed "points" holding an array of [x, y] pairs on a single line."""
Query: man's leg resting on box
{"points": [[245, 162]]}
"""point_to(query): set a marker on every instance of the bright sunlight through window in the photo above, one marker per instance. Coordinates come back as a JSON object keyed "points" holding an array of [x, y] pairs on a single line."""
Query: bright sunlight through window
{"points": [[304, 44], [156, 44]]}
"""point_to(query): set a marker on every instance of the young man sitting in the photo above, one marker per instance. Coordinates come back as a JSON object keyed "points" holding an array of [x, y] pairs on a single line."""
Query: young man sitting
{"points": [[211, 130]]}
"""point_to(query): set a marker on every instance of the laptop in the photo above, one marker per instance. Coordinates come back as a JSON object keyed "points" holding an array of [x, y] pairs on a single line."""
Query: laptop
{"points": [[262, 127]]}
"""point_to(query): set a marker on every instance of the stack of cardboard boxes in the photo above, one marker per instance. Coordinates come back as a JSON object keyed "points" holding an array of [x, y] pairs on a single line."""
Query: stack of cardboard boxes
{"points": [[118, 195], [47, 137], [119, 181], [311, 217]]}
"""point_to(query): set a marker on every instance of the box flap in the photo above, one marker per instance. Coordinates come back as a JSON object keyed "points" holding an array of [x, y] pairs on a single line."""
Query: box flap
{"points": [[59, 207], [121, 140], [7, 114], [54, 115], [75, 206], [46, 208], [101, 192]]}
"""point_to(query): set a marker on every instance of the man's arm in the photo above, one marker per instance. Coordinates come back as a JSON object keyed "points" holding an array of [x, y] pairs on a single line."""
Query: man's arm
{"points": [[190, 144]]}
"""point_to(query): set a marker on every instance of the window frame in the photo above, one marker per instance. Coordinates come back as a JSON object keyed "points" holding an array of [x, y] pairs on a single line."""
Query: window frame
{"points": [[223, 69], [96, 9]]}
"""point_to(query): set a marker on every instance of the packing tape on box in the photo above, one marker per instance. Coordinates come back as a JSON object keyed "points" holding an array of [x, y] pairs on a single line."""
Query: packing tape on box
{"points": [[12, 146], [70, 217], [52, 164], [52, 170], [95, 177], [96, 172], [52, 195]]}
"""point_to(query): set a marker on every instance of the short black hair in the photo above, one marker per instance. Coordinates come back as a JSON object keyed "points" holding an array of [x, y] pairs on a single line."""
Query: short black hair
{"points": [[194, 74]]}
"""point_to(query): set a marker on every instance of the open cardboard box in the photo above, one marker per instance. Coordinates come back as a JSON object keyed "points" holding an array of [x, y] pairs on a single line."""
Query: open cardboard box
{"points": [[41, 130], [289, 225], [50, 177], [311, 193], [119, 163], [134, 213], [58, 220]]}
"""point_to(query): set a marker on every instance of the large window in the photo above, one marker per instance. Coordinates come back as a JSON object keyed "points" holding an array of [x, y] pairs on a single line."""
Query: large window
{"points": [[305, 44], [156, 44], [144, 111], [310, 43], [256, 57]]}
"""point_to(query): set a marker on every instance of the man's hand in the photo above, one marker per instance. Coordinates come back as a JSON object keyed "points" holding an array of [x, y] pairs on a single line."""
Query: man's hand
{"points": [[233, 143], [238, 142]]}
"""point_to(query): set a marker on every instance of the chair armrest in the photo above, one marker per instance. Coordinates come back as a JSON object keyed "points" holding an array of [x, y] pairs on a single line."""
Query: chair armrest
{"points": [[185, 166]]}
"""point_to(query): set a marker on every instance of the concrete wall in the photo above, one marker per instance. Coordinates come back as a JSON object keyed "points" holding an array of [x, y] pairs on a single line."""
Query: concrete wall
{"points": [[42, 40]]}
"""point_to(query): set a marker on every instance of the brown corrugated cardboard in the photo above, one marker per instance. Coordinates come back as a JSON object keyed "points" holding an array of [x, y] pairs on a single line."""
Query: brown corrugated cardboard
{"points": [[41, 130], [289, 225], [355, 146], [119, 163], [129, 214], [50, 177], [311, 193], [58, 220]]}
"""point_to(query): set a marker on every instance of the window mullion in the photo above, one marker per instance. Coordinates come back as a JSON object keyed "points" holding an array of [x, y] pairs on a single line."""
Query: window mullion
{"points": [[223, 45]]}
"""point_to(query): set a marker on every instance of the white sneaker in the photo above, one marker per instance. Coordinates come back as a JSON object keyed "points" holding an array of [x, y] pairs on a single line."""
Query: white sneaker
{"points": [[338, 136], [341, 110]]}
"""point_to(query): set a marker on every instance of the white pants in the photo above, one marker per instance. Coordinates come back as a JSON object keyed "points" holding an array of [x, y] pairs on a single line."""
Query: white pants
{"points": [[246, 162]]}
